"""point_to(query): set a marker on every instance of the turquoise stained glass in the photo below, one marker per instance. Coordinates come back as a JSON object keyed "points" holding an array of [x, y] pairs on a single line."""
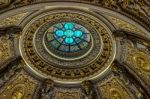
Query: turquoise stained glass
{"points": [[68, 36], [59, 33], [68, 33]]}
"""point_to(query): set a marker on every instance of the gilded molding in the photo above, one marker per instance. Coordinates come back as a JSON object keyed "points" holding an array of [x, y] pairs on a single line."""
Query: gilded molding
{"points": [[138, 61], [4, 49], [123, 25], [67, 93], [113, 88], [138, 10], [7, 47], [12, 20], [119, 85], [20, 86]]}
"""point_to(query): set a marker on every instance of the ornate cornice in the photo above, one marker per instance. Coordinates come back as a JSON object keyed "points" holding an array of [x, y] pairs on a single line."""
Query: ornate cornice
{"points": [[138, 10]]}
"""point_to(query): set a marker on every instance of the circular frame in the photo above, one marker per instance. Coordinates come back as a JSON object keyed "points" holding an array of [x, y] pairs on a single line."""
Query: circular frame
{"points": [[91, 71]]}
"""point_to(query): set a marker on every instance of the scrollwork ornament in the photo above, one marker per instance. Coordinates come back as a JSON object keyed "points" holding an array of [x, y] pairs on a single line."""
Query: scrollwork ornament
{"points": [[113, 88], [64, 93], [141, 61], [115, 94], [19, 87], [4, 49], [18, 93], [138, 63]]}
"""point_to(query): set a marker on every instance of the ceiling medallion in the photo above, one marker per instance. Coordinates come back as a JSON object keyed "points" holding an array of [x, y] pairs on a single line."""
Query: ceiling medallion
{"points": [[67, 46]]}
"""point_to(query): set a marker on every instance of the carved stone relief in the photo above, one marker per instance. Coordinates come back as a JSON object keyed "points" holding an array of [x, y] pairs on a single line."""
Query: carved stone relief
{"points": [[87, 89], [138, 62], [135, 9], [19, 87], [119, 84], [7, 74], [47, 89], [138, 6], [6, 49], [67, 94], [12, 20], [123, 25], [138, 10], [113, 88]]}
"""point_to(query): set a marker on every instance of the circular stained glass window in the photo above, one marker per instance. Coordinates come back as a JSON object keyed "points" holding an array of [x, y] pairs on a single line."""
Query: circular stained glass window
{"points": [[68, 37]]}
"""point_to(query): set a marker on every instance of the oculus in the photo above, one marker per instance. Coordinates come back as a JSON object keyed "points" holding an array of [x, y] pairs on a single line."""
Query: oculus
{"points": [[66, 40], [68, 37]]}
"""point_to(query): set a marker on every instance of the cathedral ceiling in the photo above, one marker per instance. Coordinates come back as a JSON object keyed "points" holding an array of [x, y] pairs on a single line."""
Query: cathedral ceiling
{"points": [[74, 49]]}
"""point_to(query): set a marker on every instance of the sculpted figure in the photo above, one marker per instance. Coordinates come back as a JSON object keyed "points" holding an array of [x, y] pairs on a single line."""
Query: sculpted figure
{"points": [[17, 94], [115, 94], [142, 62]]}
